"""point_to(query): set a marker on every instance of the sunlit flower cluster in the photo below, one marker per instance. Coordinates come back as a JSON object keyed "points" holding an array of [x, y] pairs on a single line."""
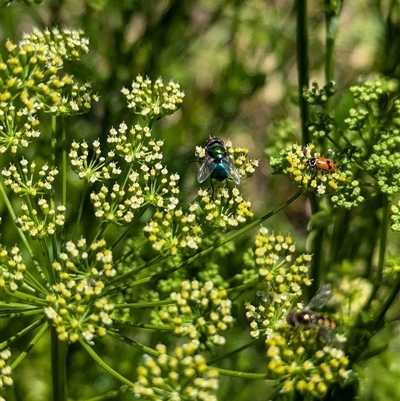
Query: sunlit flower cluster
{"points": [[76, 306], [395, 217], [173, 231], [276, 264], [12, 269], [312, 178], [18, 126], [90, 165], [264, 317], [181, 376], [23, 182], [135, 144], [200, 311], [29, 82], [5, 369], [296, 359], [384, 162], [228, 211], [153, 100]]}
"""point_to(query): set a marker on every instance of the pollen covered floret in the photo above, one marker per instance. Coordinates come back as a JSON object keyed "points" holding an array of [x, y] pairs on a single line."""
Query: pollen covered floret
{"points": [[5, 369], [181, 376], [76, 306], [200, 311], [227, 211], [12, 268], [153, 100], [276, 264], [173, 231], [308, 176], [293, 358]]}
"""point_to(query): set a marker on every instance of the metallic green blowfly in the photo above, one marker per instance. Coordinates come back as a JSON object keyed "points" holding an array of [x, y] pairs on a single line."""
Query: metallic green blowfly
{"points": [[217, 164]]}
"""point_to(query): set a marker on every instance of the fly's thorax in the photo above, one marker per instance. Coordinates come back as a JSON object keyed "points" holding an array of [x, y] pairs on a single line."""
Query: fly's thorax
{"points": [[216, 151], [307, 318]]}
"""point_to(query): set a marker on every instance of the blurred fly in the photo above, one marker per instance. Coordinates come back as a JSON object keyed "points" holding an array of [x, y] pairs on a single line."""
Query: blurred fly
{"points": [[217, 164], [308, 318]]}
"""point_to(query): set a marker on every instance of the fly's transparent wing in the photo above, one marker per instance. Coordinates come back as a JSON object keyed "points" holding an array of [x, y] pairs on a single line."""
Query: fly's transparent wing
{"points": [[233, 171], [205, 170], [320, 298]]}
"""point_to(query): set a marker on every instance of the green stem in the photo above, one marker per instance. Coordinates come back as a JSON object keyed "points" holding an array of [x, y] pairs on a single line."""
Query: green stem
{"points": [[383, 238], [124, 323], [245, 375], [22, 235], [34, 341], [235, 351], [201, 254], [302, 66], [104, 365], [140, 305], [58, 366], [142, 348], [23, 332], [80, 211], [27, 297]]}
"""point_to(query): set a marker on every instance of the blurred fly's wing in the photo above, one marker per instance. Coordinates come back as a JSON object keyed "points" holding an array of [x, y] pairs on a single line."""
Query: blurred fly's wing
{"points": [[320, 298], [233, 172], [205, 170]]}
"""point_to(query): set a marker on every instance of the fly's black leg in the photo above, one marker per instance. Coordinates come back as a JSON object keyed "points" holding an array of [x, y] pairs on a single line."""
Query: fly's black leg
{"points": [[212, 189]]}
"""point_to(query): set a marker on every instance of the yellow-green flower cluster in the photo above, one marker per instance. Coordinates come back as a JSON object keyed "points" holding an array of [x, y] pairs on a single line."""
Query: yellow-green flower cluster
{"points": [[91, 165], [39, 217], [5, 369], [29, 82], [200, 311], [18, 126], [75, 305], [227, 211], [300, 365], [12, 269], [153, 100], [395, 217], [384, 162], [173, 232], [182, 376], [306, 177], [392, 270], [264, 317], [273, 257]]}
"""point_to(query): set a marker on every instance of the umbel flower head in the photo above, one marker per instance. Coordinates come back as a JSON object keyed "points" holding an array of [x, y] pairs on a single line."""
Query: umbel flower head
{"points": [[200, 311], [153, 100], [301, 363], [30, 81], [75, 304], [283, 274], [307, 173], [183, 376]]}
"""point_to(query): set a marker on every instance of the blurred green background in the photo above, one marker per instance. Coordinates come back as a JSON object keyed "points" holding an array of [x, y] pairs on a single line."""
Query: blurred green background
{"points": [[236, 62]]}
